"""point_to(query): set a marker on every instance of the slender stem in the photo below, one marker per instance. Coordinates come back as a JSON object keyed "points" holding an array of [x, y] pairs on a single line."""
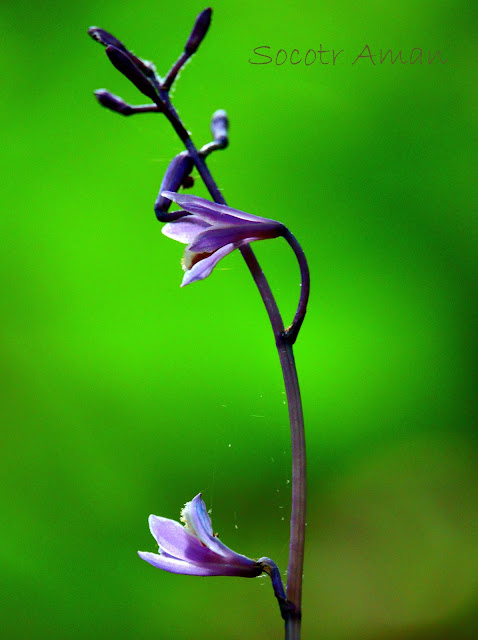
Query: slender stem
{"points": [[272, 570], [299, 482], [173, 72], [298, 509], [143, 108], [284, 342], [292, 628], [292, 332], [215, 145]]}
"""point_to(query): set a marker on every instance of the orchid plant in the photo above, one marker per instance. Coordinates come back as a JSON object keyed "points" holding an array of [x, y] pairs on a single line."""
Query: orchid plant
{"points": [[211, 230]]}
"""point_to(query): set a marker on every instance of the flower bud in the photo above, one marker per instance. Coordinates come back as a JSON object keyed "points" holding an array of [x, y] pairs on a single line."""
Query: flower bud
{"points": [[124, 63], [107, 39], [179, 168], [112, 102], [220, 126], [199, 31]]}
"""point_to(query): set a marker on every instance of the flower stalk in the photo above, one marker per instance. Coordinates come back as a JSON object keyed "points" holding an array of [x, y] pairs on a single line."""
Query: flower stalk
{"points": [[211, 232]]}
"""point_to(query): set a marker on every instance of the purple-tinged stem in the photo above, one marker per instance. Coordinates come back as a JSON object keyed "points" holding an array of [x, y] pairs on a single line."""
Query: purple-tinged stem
{"points": [[298, 508], [118, 105], [292, 332], [173, 72], [208, 148], [196, 36], [144, 108], [272, 570], [219, 130]]}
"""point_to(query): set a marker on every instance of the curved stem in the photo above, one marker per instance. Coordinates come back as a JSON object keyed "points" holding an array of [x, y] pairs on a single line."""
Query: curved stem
{"points": [[272, 570], [292, 332]]}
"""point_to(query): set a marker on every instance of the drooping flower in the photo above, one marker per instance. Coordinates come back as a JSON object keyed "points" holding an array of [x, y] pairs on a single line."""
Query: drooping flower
{"points": [[193, 549], [211, 231]]}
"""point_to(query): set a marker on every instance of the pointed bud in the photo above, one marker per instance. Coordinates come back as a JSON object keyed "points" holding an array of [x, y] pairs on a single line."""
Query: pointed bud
{"points": [[112, 102], [199, 31], [178, 170], [123, 62], [108, 40], [220, 126]]}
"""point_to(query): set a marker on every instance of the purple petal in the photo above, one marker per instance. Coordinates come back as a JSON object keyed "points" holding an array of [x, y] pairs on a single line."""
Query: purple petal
{"points": [[203, 268], [176, 541], [197, 519], [215, 237], [186, 229], [189, 568], [211, 211]]}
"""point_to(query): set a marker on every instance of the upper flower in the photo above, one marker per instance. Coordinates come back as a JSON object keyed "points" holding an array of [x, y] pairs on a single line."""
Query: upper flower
{"points": [[194, 549], [211, 231]]}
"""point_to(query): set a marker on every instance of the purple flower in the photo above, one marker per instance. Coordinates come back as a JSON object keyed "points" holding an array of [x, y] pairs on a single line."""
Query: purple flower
{"points": [[194, 549], [211, 231]]}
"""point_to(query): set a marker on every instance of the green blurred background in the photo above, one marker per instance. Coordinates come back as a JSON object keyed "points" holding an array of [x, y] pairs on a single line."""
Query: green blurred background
{"points": [[124, 395]]}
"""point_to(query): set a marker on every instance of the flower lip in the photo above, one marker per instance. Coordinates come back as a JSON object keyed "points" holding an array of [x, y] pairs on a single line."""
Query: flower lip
{"points": [[198, 270], [194, 549]]}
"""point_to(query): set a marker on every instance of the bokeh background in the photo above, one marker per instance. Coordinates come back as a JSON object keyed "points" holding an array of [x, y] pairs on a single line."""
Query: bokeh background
{"points": [[123, 395]]}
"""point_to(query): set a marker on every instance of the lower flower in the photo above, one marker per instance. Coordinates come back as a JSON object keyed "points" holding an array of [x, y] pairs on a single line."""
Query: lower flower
{"points": [[193, 549]]}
